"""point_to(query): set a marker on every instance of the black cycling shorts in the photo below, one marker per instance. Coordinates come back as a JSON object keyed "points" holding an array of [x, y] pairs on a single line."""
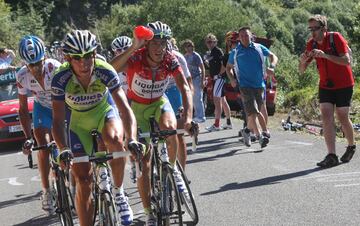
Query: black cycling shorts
{"points": [[339, 97]]}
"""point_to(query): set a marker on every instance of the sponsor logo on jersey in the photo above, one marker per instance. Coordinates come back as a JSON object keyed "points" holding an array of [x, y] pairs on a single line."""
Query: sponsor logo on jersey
{"points": [[146, 88], [57, 91], [84, 99]]}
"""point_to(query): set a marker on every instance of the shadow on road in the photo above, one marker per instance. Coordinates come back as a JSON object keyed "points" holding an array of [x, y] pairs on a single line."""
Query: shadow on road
{"points": [[41, 220], [10, 147], [263, 181], [21, 200]]}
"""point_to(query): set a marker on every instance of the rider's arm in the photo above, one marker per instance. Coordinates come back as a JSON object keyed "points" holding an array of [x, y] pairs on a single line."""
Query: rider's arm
{"points": [[120, 62], [184, 88], [58, 126], [127, 115], [24, 115]]}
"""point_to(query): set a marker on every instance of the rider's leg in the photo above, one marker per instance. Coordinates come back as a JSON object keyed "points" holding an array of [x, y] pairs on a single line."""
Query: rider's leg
{"points": [[342, 114], [112, 135], [182, 153], [143, 182], [43, 137], [168, 122], [84, 207]]}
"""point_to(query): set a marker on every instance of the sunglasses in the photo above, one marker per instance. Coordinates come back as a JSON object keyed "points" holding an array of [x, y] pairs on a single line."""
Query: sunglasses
{"points": [[85, 56], [37, 64], [209, 42], [312, 29]]}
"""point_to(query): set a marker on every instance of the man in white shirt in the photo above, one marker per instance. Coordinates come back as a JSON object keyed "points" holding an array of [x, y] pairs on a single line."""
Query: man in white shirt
{"points": [[6, 58]]}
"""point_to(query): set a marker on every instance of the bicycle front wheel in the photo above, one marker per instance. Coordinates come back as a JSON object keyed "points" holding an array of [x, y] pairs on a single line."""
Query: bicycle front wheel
{"points": [[187, 197], [107, 211], [63, 207], [171, 213]]}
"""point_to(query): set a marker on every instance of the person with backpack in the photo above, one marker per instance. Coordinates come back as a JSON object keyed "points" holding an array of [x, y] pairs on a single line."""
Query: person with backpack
{"points": [[248, 62], [332, 55]]}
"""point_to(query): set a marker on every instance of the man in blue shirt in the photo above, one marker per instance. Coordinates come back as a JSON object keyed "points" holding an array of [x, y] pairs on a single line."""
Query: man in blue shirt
{"points": [[248, 61]]}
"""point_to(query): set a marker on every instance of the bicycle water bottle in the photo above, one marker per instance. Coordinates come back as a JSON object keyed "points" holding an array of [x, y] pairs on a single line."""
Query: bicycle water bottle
{"points": [[143, 32], [103, 179], [163, 152]]}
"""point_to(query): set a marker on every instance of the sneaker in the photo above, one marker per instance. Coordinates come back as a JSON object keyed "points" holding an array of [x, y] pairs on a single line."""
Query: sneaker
{"points": [[133, 172], [123, 208], [347, 156], [263, 140], [200, 120], [246, 136], [212, 128], [151, 220], [253, 137], [179, 180], [227, 126], [47, 202], [329, 161]]}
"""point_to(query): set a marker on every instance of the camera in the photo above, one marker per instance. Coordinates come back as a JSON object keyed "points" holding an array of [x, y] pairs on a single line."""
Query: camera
{"points": [[330, 84]]}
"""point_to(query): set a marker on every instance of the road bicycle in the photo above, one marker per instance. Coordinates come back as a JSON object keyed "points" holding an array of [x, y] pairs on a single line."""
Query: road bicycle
{"points": [[289, 125], [166, 199], [59, 184]]}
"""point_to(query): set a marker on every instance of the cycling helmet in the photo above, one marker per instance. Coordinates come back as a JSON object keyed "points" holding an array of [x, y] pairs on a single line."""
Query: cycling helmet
{"points": [[79, 42], [160, 30], [31, 49], [121, 43]]}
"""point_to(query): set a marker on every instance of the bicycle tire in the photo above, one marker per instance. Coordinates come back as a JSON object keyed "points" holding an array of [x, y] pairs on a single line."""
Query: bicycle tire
{"points": [[63, 206], [188, 200], [107, 211], [154, 183], [170, 199]]}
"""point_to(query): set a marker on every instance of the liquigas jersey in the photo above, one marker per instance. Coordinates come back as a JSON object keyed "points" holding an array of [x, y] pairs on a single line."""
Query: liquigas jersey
{"points": [[65, 86]]}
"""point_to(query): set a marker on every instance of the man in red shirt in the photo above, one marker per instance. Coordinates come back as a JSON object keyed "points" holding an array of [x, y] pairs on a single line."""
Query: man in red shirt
{"points": [[335, 86]]}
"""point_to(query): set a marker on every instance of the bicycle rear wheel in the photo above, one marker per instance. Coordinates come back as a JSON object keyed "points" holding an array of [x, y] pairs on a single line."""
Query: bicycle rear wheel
{"points": [[62, 203], [106, 210], [187, 199], [170, 199]]}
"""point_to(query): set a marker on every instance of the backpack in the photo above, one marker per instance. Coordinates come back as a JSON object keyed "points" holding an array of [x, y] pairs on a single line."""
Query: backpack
{"points": [[333, 47]]}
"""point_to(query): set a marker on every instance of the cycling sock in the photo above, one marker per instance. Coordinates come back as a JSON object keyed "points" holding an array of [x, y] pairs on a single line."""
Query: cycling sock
{"points": [[119, 189], [148, 210], [228, 121], [217, 122]]}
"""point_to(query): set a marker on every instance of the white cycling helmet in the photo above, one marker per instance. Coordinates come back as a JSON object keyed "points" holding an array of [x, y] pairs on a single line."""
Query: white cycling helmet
{"points": [[121, 43], [79, 42], [160, 30], [31, 49]]}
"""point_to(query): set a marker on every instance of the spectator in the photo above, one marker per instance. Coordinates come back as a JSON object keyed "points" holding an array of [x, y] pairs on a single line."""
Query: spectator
{"points": [[335, 86], [213, 59], [6, 58], [248, 61], [197, 70]]}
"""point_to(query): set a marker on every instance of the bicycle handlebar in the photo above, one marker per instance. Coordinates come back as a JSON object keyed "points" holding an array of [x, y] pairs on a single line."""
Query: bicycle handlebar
{"points": [[103, 158]]}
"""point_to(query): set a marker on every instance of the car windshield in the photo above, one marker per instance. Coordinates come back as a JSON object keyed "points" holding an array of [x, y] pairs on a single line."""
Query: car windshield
{"points": [[8, 91]]}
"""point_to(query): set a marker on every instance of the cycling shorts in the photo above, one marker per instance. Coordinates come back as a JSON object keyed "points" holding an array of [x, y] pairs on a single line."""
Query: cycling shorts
{"points": [[174, 96], [42, 116], [143, 112], [81, 123], [219, 87], [338, 97]]}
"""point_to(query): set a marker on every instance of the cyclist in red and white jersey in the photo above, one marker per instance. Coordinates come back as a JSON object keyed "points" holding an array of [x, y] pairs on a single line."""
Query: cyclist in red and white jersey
{"points": [[147, 71]]}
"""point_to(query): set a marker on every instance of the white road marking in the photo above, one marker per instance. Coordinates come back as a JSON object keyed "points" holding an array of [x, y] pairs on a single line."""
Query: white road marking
{"points": [[346, 185], [319, 175], [299, 143], [12, 181]]}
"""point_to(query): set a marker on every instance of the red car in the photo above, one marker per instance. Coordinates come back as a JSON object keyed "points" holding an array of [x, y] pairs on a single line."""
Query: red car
{"points": [[10, 128], [232, 95]]}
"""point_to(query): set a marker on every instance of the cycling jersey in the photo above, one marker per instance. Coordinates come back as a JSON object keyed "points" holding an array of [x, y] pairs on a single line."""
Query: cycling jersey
{"points": [[123, 81], [26, 82], [183, 66], [65, 86], [146, 84], [88, 109]]}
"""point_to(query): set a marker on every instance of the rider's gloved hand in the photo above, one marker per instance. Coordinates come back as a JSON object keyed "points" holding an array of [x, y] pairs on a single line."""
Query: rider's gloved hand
{"points": [[28, 144], [138, 149], [65, 153]]}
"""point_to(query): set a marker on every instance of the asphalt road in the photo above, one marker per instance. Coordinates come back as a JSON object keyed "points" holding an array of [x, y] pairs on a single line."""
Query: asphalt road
{"points": [[232, 184]]}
